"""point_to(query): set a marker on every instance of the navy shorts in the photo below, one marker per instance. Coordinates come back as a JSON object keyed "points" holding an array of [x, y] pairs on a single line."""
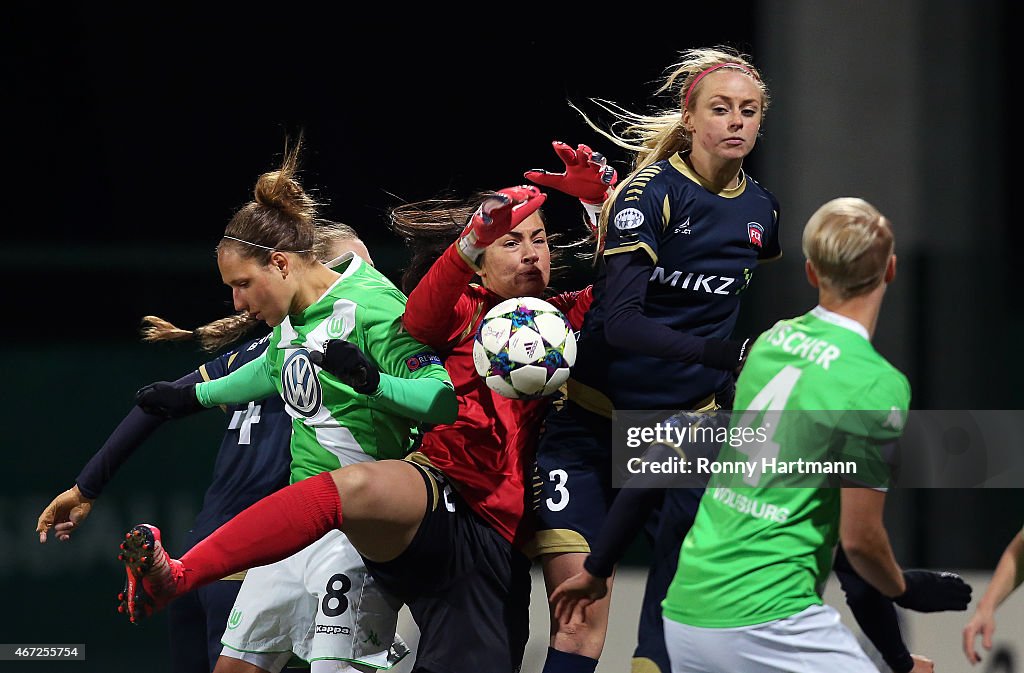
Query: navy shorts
{"points": [[467, 587], [572, 480]]}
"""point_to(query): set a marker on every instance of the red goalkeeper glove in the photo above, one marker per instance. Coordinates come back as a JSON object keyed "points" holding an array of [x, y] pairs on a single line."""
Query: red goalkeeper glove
{"points": [[499, 214], [587, 174]]}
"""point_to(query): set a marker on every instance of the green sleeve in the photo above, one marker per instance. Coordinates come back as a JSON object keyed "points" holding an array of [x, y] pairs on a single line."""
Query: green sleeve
{"points": [[413, 383], [425, 399], [872, 426], [390, 346], [251, 381]]}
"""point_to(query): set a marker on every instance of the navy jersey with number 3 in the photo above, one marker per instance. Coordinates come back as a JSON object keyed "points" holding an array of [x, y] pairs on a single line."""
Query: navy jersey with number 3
{"points": [[703, 247]]}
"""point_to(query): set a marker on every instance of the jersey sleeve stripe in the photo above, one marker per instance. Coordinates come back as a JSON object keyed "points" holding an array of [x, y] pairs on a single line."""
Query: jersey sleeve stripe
{"points": [[630, 248]]}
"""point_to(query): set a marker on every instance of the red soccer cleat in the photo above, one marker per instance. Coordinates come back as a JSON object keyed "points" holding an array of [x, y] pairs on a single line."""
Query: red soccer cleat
{"points": [[152, 575]]}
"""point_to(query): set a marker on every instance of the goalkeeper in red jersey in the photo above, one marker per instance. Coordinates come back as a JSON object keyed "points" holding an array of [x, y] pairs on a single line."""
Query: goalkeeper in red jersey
{"points": [[441, 530]]}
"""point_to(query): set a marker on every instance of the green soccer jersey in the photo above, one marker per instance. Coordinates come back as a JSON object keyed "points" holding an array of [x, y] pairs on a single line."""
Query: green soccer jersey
{"points": [[332, 425], [757, 553]]}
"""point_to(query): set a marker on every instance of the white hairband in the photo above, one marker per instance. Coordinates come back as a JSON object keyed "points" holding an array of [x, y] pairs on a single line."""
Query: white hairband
{"points": [[257, 245]]}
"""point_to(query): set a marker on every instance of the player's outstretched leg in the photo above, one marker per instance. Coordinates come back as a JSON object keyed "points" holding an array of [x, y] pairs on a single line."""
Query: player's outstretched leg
{"points": [[152, 577], [269, 530]]}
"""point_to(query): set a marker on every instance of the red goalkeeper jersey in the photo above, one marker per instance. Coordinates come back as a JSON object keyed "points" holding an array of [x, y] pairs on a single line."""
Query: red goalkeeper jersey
{"points": [[488, 451]]}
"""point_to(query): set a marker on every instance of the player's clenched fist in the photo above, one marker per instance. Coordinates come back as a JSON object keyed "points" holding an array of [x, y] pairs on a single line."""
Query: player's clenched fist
{"points": [[499, 214], [348, 364]]}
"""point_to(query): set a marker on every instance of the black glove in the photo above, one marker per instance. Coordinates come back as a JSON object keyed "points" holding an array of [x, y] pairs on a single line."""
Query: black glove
{"points": [[931, 591], [725, 354], [167, 400], [347, 363]]}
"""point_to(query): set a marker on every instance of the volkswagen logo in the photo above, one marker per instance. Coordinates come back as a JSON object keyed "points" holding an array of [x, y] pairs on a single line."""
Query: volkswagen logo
{"points": [[301, 386]]}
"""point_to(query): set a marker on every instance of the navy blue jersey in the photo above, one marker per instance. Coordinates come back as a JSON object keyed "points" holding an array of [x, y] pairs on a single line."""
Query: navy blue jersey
{"points": [[255, 454], [701, 248]]}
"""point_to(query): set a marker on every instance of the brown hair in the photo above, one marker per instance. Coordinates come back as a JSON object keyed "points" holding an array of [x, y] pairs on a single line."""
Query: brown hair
{"points": [[227, 330], [428, 227], [280, 218]]}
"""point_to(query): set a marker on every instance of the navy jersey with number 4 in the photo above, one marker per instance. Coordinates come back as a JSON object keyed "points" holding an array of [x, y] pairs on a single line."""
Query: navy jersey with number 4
{"points": [[255, 455], [704, 247]]}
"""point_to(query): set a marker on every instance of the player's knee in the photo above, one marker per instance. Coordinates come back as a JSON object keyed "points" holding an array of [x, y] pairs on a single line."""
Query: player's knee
{"points": [[359, 488]]}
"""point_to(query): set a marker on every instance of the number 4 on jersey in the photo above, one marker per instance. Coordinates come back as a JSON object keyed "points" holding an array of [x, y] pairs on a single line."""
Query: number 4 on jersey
{"points": [[772, 397]]}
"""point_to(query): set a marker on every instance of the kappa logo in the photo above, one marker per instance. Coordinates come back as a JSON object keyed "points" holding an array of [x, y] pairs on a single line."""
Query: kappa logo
{"points": [[333, 630], [683, 228], [894, 420], [630, 218], [301, 386], [235, 619], [756, 233]]}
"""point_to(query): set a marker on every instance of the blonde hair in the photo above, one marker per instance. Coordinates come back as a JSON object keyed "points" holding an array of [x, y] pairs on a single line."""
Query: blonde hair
{"points": [[227, 330], [661, 134], [849, 243]]}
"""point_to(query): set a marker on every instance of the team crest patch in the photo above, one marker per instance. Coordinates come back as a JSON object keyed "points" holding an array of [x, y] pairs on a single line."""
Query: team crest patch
{"points": [[422, 360], [336, 328], [630, 218], [756, 233]]}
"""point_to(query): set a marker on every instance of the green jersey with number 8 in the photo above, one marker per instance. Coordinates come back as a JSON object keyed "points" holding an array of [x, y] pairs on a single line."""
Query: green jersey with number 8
{"points": [[762, 551]]}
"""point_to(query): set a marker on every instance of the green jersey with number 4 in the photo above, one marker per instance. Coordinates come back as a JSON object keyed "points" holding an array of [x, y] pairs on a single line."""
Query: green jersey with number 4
{"points": [[762, 551], [332, 425]]}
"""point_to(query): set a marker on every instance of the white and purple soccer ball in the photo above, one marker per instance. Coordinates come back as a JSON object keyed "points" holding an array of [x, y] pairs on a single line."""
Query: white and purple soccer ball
{"points": [[524, 348]]}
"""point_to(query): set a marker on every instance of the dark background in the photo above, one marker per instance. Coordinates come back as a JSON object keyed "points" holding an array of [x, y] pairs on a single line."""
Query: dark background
{"points": [[136, 146], [133, 135]]}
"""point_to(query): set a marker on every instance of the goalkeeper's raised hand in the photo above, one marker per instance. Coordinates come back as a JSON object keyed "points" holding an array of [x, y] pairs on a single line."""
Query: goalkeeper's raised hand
{"points": [[587, 175], [499, 214]]}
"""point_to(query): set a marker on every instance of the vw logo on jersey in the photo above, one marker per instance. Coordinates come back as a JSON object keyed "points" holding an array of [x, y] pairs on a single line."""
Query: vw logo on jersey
{"points": [[301, 386], [630, 218]]}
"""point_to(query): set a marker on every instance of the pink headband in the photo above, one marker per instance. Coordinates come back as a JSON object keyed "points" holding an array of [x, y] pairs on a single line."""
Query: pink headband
{"points": [[708, 71]]}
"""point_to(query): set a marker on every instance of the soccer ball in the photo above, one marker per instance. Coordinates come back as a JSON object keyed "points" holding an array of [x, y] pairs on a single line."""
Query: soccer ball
{"points": [[524, 348]]}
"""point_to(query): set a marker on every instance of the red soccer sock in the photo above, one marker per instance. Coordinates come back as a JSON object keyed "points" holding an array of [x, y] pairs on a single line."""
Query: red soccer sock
{"points": [[271, 529]]}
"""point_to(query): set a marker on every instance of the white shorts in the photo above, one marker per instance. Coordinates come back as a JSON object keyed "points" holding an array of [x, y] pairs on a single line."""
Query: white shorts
{"points": [[319, 604], [811, 641]]}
